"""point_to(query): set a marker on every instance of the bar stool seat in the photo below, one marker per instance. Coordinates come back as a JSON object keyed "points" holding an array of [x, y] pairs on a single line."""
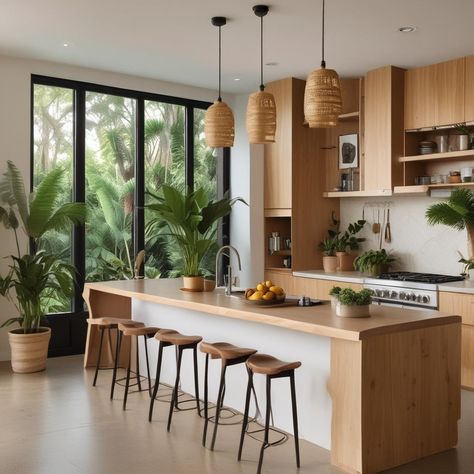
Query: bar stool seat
{"points": [[137, 330], [225, 350], [268, 365], [175, 338], [113, 322]]}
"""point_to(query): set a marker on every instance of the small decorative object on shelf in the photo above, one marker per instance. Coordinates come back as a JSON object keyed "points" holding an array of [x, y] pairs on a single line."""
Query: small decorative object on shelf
{"points": [[454, 177], [348, 151], [352, 304], [459, 141]]}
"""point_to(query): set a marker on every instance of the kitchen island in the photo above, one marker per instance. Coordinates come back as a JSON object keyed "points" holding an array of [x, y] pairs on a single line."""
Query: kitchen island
{"points": [[378, 392]]}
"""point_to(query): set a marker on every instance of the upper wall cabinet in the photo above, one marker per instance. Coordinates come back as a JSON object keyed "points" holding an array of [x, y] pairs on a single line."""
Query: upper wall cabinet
{"points": [[434, 95], [383, 128], [469, 90]]}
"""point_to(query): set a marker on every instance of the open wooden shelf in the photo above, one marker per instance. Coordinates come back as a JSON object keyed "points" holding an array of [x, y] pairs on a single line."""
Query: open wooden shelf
{"points": [[363, 193], [277, 212], [450, 155], [280, 269], [349, 117], [423, 189], [283, 253]]}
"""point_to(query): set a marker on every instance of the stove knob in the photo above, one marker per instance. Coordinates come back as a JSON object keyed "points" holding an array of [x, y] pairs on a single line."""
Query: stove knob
{"points": [[393, 294], [412, 297], [402, 295], [386, 294], [418, 298], [378, 292], [425, 299]]}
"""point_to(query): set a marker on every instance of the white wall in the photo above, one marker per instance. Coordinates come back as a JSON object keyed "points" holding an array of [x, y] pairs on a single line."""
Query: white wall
{"points": [[15, 82], [421, 247]]}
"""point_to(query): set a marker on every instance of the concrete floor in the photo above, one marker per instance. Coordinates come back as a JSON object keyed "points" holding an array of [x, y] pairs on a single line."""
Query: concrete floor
{"points": [[54, 422]]}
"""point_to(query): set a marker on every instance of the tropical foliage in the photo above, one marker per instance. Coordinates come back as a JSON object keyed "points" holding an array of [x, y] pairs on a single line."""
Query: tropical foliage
{"points": [[349, 297]]}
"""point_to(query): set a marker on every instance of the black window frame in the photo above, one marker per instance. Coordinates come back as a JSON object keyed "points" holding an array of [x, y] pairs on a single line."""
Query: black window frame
{"points": [[69, 329]]}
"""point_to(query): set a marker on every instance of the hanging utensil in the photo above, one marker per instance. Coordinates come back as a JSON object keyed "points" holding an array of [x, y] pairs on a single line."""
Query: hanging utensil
{"points": [[388, 230], [376, 225], [382, 228]]}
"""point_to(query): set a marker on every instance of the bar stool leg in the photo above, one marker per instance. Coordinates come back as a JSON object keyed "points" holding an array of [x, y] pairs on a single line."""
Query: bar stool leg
{"points": [[138, 363], [127, 383], [175, 390], [267, 425], [99, 354], [117, 356], [196, 380], [246, 413], [220, 401], [147, 364], [157, 381], [206, 416], [295, 418]]}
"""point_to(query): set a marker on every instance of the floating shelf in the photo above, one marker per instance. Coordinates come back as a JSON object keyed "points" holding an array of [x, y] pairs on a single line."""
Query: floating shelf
{"points": [[279, 269], [423, 189], [346, 194], [450, 155], [283, 253], [277, 212], [350, 117]]}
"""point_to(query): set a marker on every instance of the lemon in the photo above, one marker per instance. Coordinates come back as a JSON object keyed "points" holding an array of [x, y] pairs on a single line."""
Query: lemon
{"points": [[269, 283], [261, 287], [269, 295], [258, 295], [277, 290]]}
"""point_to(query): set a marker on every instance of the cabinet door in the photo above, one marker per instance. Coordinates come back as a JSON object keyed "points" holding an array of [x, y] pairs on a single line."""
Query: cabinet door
{"points": [[467, 356], [469, 90], [319, 288], [434, 95], [278, 155], [281, 278], [459, 304]]}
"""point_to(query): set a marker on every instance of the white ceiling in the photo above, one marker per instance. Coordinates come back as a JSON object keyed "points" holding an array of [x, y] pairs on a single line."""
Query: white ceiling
{"points": [[174, 40]]}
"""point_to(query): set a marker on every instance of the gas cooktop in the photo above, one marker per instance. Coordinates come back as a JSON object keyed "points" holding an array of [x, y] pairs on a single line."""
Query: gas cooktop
{"points": [[431, 278]]}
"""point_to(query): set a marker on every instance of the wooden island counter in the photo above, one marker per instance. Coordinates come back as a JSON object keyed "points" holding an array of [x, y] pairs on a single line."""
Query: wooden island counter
{"points": [[378, 392]]}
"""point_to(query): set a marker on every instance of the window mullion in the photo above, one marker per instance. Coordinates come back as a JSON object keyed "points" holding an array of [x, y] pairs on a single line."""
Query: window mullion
{"points": [[139, 214], [189, 147]]}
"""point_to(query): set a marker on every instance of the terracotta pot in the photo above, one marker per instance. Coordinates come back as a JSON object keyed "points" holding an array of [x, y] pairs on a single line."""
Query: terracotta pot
{"points": [[209, 285], [29, 351], [352, 311], [193, 283], [345, 261], [329, 264]]}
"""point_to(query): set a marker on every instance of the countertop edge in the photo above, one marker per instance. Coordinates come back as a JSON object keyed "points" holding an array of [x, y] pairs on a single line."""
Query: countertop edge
{"points": [[330, 276], [456, 288]]}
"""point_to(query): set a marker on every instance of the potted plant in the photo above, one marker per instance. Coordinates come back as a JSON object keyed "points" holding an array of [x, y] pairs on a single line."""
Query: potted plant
{"points": [[353, 304], [333, 293], [468, 265], [374, 262], [348, 241], [33, 277], [457, 212], [192, 221], [328, 247]]}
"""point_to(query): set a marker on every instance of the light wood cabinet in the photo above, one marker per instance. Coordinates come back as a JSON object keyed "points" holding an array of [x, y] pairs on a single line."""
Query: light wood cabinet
{"points": [[434, 95], [383, 128], [462, 305], [319, 288], [281, 278], [469, 90]]}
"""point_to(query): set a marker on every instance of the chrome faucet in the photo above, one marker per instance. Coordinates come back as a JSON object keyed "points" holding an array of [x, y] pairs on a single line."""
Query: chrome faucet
{"points": [[228, 286]]}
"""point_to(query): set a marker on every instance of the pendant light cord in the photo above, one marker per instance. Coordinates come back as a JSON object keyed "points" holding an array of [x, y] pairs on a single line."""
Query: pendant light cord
{"points": [[323, 62], [220, 59], [262, 86]]}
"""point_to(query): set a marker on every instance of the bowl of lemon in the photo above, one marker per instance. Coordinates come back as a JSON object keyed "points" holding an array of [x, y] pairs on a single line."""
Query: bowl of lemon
{"points": [[265, 293]]}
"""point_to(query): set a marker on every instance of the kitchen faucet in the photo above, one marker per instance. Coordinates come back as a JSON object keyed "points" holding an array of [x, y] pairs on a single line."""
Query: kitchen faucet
{"points": [[228, 286]]}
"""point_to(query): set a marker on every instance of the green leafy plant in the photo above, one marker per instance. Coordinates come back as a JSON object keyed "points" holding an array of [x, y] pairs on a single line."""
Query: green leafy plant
{"points": [[349, 297], [335, 290], [42, 275], [192, 221], [462, 128], [468, 263], [338, 241], [457, 212], [373, 260], [328, 247]]}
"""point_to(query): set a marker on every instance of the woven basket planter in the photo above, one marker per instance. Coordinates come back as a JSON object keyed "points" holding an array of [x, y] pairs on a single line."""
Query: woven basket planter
{"points": [[322, 98], [219, 125], [261, 117]]}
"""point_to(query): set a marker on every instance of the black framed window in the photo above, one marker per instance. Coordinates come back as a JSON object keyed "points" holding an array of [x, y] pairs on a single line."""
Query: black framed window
{"points": [[114, 144]]}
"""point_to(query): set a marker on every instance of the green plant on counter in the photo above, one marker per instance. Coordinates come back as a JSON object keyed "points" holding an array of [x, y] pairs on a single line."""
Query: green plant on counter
{"points": [[349, 297], [41, 276], [338, 241], [468, 264], [457, 212], [373, 261], [335, 290], [192, 221], [328, 247]]}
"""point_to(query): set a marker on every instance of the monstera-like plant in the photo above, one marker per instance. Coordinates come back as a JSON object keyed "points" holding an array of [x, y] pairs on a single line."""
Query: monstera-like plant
{"points": [[192, 220], [32, 277]]}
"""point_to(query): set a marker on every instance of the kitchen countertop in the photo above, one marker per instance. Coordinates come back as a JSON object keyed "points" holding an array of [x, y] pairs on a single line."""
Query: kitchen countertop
{"points": [[466, 286], [349, 277], [320, 320]]}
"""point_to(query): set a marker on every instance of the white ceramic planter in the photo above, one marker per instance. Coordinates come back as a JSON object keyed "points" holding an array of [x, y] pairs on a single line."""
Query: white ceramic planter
{"points": [[352, 311], [29, 351]]}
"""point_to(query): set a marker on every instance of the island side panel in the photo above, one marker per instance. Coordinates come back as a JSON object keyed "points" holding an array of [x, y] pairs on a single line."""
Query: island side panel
{"points": [[101, 305], [411, 395]]}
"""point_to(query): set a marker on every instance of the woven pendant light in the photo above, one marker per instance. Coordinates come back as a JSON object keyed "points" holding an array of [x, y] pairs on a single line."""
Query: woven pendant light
{"points": [[261, 107], [219, 128], [322, 95]]}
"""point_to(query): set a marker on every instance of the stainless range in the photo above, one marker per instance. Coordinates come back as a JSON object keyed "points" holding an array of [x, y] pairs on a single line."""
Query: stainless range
{"points": [[408, 289]]}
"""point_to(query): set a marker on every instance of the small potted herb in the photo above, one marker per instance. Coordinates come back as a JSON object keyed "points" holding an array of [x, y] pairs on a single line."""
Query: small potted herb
{"points": [[333, 293], [374, 262], [468, 265], [353, 304], [348, 241], [328, 247]]}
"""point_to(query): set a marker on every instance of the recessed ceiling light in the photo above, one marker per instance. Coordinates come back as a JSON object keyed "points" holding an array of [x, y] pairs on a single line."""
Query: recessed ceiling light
{"points": [[271, 63], [65, 45], [406, 29], [236, 78]]}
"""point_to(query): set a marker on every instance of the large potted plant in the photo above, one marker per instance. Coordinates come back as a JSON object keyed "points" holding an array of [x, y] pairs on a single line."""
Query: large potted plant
{"points": [[374, 262], [353, 304], [33, 277], [192, 220], [457, 212]]}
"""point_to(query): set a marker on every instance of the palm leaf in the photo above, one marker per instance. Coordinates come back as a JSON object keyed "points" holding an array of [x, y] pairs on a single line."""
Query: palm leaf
{"points": [[14, 192], [456, 212], [67, 214]]}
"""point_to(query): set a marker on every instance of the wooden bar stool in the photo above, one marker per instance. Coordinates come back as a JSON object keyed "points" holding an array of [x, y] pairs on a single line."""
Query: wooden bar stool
{"points": [[170, 337], [273, 368], [124, 331], [107, 324], [229, 355]]}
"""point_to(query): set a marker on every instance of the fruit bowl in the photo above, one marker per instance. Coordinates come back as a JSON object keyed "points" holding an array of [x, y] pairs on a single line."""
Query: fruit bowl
{"points": [[263, 302], [265, 294]]}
